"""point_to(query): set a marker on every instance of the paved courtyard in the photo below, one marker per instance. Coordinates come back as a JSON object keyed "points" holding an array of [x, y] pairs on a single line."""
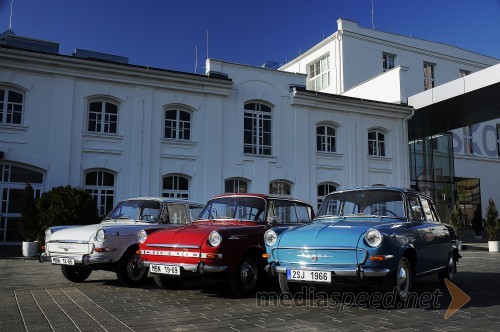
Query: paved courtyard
{"points": [[36, 297]]}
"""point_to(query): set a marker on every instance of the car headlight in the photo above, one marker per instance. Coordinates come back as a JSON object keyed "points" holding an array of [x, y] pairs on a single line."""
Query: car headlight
{"points": [[373, 238], [48, 233], [100, 235], [214, 239], [270, 237], [142, 236]]}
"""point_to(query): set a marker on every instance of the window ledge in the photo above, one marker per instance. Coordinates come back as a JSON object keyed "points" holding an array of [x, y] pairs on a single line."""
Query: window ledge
{"points": [[13, 128], [329, 154], [249, 156], [102, 136], [380, 158], [178, 142]]}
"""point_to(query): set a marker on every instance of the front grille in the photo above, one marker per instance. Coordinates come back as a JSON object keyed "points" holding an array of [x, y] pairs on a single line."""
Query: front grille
{"points": [[320, 256], [69, 248]]}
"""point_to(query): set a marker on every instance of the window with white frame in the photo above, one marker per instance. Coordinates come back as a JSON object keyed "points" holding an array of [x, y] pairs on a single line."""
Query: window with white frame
{"points": [[388, 61], [498, 139], [325, 138], [257, 129], [177, 124], [468, 143], [102, 117], [175, 186], [235, 185], [101, 185], [319, 74], [376, 143], [428, 76], [280, 187], [323, 190], [11, 106]]}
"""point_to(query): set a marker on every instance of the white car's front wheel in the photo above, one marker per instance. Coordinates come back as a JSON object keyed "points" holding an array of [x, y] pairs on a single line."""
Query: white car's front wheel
{"points": [[75, 273], [128, 270]]}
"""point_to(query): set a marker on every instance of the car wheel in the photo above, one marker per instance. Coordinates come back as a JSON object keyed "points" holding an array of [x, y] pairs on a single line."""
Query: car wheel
{"points": [[129, 272], [289, 288], [399, 281], [451, 269], [75, 273], [243, 279], [167, 282]]}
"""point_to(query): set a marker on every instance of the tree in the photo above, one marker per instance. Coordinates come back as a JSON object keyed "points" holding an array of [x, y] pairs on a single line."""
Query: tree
{"points": [[29, 223], [492, 222], [477, 221], [66, 206], [456, 219]]}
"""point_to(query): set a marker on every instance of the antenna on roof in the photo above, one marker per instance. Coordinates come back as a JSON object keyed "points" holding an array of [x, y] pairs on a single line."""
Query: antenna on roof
{"points": [[207, 44], [10, 17], [373, 22], [196, 58]]}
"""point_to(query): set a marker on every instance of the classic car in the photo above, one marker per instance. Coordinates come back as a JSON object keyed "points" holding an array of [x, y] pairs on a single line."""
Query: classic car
{"points": [[376, 235], [112, 244], [225, 241]]}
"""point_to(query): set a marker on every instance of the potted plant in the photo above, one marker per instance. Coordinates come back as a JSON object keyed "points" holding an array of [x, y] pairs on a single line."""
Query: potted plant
{"points": [[477, 223], [492, 226], [456, 221], [29, 222]]}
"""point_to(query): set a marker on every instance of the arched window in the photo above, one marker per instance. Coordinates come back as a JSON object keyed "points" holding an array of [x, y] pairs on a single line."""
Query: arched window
{"points": [[102, 117], [325, 138], [235, 185], [11, 106], [325, 189], [13, 179], [177, 124], [376, 143], [101, 185], [280, 187], [175, 186], [257, 129]]}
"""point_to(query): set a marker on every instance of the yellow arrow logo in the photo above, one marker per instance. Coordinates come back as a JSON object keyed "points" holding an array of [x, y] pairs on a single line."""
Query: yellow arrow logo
{"points": [[458, 298]]}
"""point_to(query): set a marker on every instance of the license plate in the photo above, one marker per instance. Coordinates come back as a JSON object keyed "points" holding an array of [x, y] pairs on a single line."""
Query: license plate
{"points": [[62, 261], [305, 275], [165, 269]]}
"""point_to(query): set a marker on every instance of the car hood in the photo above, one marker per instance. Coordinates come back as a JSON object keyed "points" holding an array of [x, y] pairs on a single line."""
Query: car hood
{"points": [[86, 232], [327, 234], [194, 234]]}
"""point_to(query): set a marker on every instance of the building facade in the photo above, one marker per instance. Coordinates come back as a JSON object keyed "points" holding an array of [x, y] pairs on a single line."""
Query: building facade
{"points": [[120, 130]]}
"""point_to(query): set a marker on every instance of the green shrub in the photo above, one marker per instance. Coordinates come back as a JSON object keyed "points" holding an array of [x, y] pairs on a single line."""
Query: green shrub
{"points": [[456, 219], [66, 206], [492, 222]]}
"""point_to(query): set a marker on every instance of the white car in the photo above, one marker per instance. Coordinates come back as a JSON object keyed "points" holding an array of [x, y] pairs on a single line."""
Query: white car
{"points": [[112, 244]]}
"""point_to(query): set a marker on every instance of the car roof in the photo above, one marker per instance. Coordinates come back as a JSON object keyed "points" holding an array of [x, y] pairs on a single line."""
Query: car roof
{"points": [[263, 196], [166, 200], [398, 189]]}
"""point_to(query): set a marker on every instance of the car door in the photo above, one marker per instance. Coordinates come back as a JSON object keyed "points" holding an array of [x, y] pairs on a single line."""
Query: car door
{"points": [[425, 236], [441, 233]]}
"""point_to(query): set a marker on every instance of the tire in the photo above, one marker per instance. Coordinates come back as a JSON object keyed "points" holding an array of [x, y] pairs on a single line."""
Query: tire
{"points": [[450, 271], [399, 281], [167, 282], [75, 273], [289, 288], [128, 272], [244, 278]]}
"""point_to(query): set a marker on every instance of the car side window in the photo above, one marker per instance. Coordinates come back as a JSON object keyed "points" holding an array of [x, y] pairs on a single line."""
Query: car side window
{"points": [[416, 210], [177, 214], [429, 212]]}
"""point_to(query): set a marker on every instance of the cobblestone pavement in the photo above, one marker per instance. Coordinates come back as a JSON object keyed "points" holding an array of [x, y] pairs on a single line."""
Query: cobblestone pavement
{"points": [[36, 297]]}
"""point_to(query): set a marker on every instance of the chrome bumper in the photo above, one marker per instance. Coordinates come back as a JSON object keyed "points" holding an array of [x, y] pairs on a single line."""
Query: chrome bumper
{"points": [[200, 268], [358, 271], [79, 259]]}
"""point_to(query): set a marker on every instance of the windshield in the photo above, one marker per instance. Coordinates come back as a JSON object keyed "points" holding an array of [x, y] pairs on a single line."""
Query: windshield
{"points": [[380, 203], [241, 208], [144, 210]]}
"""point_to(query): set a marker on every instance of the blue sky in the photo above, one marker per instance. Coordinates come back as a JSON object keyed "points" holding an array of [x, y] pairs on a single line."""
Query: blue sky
{"points": [[166, 33]]}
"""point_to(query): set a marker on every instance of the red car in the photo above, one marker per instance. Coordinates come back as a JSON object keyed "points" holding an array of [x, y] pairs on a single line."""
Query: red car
{"points": [[227, 240]]}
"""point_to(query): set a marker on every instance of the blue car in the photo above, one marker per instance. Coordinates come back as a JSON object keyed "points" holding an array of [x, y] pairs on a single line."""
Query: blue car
{"points": [[372, 234]]}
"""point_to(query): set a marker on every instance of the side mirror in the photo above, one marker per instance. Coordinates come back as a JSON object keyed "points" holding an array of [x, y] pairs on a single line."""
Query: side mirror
{"points": [[417, 213], [273, 221]]}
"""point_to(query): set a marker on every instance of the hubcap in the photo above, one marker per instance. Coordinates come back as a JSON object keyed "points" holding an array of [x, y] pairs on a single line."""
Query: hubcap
{"points": [[403, 280], [248, 274], [134, 271], [451, 267]]}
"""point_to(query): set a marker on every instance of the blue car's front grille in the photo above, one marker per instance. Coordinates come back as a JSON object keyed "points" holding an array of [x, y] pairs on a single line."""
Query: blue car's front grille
{"points": [[320, 255]]}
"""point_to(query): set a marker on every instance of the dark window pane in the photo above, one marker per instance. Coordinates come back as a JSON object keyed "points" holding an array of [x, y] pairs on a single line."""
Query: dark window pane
{"points": [[109, 179], [111, 108], [185, 116], [91, 179], [183, 183], [250, 106], [95, 106], [23, 175], [15, 97], [171, 115]]}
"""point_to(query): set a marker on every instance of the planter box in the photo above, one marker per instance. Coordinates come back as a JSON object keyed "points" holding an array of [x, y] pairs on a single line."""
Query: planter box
{"points": [[493, 246], [30, 249]]}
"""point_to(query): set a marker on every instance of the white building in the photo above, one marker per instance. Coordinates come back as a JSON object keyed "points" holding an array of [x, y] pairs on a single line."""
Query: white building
{"points": [[365, 63], [121, 130]]}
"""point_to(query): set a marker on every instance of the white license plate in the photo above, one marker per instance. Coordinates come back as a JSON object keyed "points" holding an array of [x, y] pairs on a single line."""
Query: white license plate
{"points": [[62, 261], [305, 275], [165, 269]]}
